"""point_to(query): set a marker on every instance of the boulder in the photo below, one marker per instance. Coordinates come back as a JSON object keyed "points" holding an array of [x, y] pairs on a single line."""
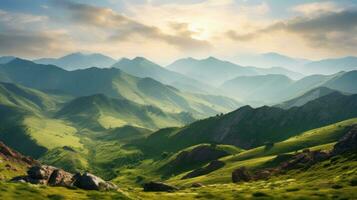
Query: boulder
{"points": [[48, 175], [88, 181], [40, 172], [241, 175], [60, 177], [304, 159], [158, 187]]}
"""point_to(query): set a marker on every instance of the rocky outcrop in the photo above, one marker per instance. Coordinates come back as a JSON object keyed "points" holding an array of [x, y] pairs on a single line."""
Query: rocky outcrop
{"points": [[241, 175], [9, 154], [48, 175], [212, 166], [304, 159], [158, 187], [348, 143]]}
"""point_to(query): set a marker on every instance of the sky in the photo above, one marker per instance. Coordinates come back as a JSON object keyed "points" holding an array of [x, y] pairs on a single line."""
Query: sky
{"points": [[165, 30]]}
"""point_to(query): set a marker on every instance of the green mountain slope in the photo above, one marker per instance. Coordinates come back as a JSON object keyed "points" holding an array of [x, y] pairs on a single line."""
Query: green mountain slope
{"points": [[248, 127], [321, 138], [26, 98], [78, 61], [113, 83], [99, 111], [141, 67]]}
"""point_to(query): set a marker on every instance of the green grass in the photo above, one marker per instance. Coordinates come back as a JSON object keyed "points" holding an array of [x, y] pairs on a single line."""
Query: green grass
{"points": [[331, 179], [14, 191], [52, 133]]}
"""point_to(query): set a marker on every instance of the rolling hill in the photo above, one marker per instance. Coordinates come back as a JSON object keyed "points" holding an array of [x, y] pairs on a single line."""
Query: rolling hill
{"points": [[98, 112], [113, 83], [78, 61], [25, 98], [249, 128]]}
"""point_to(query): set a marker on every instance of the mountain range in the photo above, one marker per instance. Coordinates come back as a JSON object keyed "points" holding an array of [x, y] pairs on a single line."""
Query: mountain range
{"points": [[113, 83], [78, 61], [141, 67], [248, 127]]}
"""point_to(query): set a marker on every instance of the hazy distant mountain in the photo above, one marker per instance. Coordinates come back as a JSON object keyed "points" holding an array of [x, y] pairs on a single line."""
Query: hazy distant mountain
{"points": [[272, 89], [272, 59], [346, 82], [210, 70], [262, 88], [279, 70], [79, 61], [113, 83], [306, 97], [6, 59], [141, 67], [331, 66], [214, 71]]}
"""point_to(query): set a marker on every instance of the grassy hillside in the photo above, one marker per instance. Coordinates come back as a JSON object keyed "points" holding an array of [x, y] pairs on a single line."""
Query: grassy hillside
{"points": [[321, 138], [25, 98]]}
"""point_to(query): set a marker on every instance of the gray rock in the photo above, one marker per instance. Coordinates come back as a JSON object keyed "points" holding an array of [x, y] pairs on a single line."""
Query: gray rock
{"points": [[88, 181]]}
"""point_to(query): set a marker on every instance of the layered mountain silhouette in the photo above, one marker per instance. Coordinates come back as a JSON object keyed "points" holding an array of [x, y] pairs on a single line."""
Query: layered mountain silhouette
{"points": [[78, 61], [141, 67], [272, 89], [214, 71]]}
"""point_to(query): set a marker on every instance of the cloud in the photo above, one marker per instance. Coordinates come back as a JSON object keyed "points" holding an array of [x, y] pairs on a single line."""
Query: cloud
{"points": [[336, 30], [122, 28], [21, 34], [316, 8]]}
